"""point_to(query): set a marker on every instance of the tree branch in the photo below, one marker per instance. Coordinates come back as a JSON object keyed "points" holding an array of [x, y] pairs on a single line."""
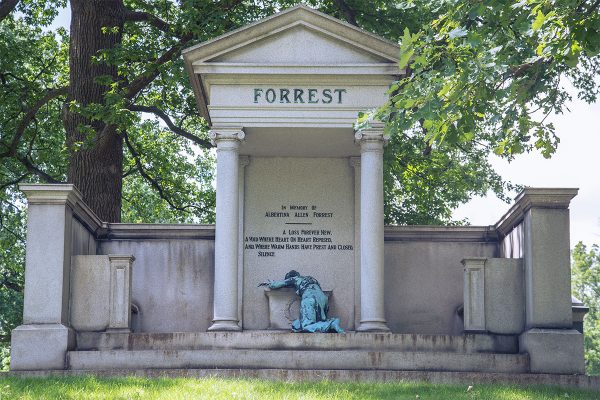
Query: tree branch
{"points": [[13, 182], [142, 16], [6, 6], [179, 131], [10, 285], [148, 178], [29, 116], [142, 80], [35, 170], [349, 13]]}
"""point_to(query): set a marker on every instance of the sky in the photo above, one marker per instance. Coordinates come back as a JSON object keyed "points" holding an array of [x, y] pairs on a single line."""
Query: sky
{"points": [[575, 165]]}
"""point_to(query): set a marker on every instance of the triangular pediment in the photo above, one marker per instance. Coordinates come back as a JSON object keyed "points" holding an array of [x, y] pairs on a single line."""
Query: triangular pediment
{"points": [[298, 44], [281, 29]]}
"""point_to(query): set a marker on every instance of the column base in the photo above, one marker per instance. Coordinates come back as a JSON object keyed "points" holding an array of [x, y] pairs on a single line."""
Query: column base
{"points": [[553, 351], [373, 326], [225, 325], [40, 346]]}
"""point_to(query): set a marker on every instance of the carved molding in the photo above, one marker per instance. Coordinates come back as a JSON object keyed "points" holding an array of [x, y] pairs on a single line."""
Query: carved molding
{"points": [[225, 135], [371, 138]]}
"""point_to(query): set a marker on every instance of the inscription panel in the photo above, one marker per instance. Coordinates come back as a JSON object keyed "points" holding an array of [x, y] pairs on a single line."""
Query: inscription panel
{"points": [[298, 96], [299, 214]]}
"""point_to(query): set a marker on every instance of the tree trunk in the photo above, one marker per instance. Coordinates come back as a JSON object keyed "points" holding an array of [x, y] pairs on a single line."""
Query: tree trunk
{"points": [[96, 163]]}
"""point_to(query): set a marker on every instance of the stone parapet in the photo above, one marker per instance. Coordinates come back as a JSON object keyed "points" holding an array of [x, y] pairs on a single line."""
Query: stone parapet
{"points": [[557, 198]]}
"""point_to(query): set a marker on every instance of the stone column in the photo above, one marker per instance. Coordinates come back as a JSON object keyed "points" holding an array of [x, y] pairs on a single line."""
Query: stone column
{"points": [[474, 294], [552, 343], [355, 164], [45, 336], [547, 256], [244, 162], [225, 315], [120, 292], [372, 308]]}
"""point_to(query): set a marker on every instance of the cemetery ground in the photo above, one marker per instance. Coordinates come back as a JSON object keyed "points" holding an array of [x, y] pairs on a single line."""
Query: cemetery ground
{"points": [[90, 387]]}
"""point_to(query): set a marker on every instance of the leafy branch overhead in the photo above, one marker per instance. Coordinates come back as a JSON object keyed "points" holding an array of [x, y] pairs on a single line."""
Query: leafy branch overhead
{"points": [[481, 77], [489, 73]]}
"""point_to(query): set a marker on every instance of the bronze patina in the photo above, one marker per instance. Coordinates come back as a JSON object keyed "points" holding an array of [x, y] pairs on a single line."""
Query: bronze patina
{"points": [[314, 304]]}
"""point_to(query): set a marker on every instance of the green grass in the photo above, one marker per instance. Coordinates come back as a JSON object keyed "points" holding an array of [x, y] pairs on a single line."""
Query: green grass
{"points": [[216, 389]]}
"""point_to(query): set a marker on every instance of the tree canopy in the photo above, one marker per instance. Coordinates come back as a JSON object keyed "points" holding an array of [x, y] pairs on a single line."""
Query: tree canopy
{"points": [[107, 105]]}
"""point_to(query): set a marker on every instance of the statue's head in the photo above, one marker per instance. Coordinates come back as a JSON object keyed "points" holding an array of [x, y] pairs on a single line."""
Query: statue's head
{"points": [[292, 274]]}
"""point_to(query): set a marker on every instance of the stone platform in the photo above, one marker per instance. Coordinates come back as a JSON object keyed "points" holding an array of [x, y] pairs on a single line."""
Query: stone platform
{"points": [[269, 350], [280, 355]]}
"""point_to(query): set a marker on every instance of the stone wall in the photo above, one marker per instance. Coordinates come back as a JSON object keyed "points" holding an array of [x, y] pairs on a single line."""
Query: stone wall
{"points": [[172, 282], [174, 269]]}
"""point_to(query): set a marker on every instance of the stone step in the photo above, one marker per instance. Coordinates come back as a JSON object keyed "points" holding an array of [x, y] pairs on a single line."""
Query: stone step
{"points": [[297, 360], [274, 340]]}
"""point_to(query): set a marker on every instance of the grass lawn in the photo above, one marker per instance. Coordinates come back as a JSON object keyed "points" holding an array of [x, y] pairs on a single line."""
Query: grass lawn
{"points": [[217, 388]]}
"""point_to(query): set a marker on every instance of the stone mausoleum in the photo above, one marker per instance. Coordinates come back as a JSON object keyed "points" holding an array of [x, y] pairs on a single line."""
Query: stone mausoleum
{"points": [[297, 188]]}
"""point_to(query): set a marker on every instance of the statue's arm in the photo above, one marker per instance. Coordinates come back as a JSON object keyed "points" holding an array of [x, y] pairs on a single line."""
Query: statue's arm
{"points": [[277, 284]]}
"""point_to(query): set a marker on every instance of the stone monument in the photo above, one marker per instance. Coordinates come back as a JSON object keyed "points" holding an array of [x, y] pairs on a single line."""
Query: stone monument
{"points": [[298, 186]]}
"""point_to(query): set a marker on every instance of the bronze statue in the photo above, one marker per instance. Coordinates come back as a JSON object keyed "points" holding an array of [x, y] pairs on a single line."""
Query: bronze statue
{"points": [[313, 304]]}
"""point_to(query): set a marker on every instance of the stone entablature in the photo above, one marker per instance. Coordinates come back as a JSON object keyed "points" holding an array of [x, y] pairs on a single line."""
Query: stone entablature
{"points": [[298, 68]]}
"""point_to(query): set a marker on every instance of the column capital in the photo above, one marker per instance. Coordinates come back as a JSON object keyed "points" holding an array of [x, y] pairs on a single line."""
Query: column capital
{"points": [[41, 193], [372, 137], [225, 134]]}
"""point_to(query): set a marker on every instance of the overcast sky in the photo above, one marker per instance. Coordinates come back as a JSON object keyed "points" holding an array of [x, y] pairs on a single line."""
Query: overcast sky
{"points": [[575, 165]]}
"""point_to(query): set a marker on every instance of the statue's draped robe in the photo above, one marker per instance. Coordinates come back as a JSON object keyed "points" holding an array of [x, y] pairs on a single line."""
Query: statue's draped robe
{"points": [[313, 305]]}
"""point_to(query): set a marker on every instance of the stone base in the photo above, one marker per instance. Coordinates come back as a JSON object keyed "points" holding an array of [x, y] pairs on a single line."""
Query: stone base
{"points": [[373, 326], [40, 346], [294, 359], [554, 351], [230, 326]]}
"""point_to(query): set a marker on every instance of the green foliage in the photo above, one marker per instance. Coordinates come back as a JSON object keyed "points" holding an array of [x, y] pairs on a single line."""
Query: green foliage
{"points": [[184, 175], [585, 270], [488, 73], [424, 188], [12, 259], [219, 388]]}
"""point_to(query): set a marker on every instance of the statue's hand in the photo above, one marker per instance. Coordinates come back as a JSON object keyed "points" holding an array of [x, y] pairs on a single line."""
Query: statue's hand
{"points": [[265, 283]]}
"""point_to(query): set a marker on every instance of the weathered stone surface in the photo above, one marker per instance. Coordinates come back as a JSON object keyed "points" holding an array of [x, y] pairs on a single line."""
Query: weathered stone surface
{"points": [[90, 292], [547, 268], [293, 44], [172, 281], [554, 351], [474, 294], [40, 346], [277, 240], [424, 282], [304, 359], [494, 295], [100, 292], [504, 296], [269, 340]]}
